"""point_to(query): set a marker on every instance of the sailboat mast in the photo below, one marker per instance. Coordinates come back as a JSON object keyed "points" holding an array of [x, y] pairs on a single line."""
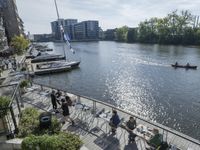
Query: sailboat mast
{"points": [[60, 26], [57, 9]]}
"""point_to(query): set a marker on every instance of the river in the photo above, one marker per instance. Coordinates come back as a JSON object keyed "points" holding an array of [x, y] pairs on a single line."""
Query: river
{"points": [[138, 78]]}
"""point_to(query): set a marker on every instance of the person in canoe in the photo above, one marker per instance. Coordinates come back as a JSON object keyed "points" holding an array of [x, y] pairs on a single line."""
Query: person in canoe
{"points": [[187, 64], [176, 64]]}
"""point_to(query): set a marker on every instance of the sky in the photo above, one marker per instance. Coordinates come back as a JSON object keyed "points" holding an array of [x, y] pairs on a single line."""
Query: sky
{"points": [[37, 14]]}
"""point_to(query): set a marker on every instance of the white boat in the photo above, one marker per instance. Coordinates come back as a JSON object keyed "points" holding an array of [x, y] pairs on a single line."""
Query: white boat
{"points": [[51, 65]]}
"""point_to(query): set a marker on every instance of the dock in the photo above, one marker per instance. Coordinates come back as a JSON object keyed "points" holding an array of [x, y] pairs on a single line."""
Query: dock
{"points": [[95, 131]]}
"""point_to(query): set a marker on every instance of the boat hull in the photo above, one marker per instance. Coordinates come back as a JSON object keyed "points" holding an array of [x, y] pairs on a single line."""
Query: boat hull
{"points": [[182, 66], [52, 70], [48, 58]]}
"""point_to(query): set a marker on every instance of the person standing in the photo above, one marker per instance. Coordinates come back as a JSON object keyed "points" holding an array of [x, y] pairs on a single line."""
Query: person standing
{"points": [[130, 126], [66, 113], [114, 121], [58, 96], [53, 100]]}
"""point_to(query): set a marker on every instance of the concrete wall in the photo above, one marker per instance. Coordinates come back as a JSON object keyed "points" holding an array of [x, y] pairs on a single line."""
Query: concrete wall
{"points": [[14, 144]]}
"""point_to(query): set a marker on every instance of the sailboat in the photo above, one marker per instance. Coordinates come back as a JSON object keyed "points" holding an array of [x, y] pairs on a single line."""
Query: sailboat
{"points": [[59, 66], [65, 38]]}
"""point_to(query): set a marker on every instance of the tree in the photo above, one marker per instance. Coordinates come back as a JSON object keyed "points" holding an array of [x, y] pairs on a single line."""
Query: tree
{"points": [[122, 34], [20, 44], [132, 35], [4, 103], [175, 28]]}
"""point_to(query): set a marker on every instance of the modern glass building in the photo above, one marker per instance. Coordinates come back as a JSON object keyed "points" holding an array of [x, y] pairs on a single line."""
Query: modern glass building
{"points": [[86, 30]]}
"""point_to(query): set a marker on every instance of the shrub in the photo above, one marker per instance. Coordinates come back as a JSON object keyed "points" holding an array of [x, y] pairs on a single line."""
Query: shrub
{"points": [[61, 141], [23, 69], [4, 103], [24, 83], [29, 124], [53, 129]]}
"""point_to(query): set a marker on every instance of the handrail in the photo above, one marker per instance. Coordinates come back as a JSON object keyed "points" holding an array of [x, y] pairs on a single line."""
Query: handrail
{"points": [[13, 94], [170, 130], [7, 85]]}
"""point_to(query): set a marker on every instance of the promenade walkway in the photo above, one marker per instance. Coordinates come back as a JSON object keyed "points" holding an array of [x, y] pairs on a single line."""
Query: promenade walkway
{"points": [[94, 130]]}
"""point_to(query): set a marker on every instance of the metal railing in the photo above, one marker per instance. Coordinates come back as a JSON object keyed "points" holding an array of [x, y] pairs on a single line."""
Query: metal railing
{"points": [[15, 97], [94, 102]]}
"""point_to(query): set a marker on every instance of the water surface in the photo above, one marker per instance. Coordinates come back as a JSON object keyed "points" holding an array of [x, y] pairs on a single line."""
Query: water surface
{"points": [[138, 78]]}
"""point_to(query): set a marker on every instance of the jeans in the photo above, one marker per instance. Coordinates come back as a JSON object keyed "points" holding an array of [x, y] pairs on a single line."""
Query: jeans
{"points": [[131, 136]]}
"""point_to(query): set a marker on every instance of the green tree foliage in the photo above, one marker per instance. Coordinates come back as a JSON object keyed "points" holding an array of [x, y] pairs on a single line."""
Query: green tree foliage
{"points": [[175, 28], [62, 141], [20, 44], [24, 83], [121, 34], [132, 35], [4, 103], [29, 124]]}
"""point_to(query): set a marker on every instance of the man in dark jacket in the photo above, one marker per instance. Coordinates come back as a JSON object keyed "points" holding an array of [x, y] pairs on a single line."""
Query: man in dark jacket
{"points": [[53, 100], [58, 94], [114, 121], [130, 126]]}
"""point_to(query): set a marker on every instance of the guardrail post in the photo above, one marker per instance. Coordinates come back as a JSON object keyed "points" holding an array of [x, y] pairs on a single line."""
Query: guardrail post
{"points": [[78, 99], [94, 108], [18, 104], [20, 97], [41, 87]]}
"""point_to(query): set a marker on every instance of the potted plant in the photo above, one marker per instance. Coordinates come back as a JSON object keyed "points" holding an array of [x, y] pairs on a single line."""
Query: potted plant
{"points": [[23, 84]]}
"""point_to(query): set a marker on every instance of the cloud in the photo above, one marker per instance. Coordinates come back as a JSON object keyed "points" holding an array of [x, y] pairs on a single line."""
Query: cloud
{"points": [[37, 15]]}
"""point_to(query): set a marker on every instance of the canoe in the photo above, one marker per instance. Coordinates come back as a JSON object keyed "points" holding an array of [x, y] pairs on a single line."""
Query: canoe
{"points": [[184, 66]]}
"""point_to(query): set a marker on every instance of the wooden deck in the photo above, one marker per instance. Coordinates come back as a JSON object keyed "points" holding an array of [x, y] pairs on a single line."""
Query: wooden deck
{"points": [[94, 131]]}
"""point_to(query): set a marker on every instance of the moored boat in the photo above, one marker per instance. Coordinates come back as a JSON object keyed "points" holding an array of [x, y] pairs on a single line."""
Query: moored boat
{"points": [[49, 70], [47, 57], [51, 65]]}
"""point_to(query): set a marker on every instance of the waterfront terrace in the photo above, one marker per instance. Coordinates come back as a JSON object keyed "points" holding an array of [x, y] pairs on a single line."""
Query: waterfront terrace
{"points": [[91, 122]]}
